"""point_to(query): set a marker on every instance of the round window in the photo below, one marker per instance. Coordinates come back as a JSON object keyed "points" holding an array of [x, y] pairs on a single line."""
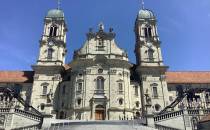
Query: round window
{"points": [[157, 107], [120, 101], [100, 71]]}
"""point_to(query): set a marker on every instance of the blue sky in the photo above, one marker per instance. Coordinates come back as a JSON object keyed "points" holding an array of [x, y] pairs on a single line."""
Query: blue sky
{"points": [[183, 25]]}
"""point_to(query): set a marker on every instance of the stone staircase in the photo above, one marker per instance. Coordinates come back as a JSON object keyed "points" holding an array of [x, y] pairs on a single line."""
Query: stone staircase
{"points": [[99, 125], [20, 119], [179, 120]]}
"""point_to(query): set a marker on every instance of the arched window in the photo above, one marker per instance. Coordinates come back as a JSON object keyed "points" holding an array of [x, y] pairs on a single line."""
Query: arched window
{"points": [[44, 90], [100, 85], [79, 101], [137, 104], [49, 53], [148, 32], [145, 32], [53, 31], [62, 115], [150, 55], [42, 106]]}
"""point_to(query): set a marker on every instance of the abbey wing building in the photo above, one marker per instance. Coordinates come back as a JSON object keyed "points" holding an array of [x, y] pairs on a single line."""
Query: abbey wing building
{"points": [[101, 84]]}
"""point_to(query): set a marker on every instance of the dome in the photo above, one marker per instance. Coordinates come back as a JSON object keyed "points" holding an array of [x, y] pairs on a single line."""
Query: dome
{"points": [[146, 14], [55, 13]]}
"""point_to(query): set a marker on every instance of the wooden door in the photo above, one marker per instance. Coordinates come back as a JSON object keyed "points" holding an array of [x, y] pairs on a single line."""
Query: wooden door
{"points": [[99, 115]]}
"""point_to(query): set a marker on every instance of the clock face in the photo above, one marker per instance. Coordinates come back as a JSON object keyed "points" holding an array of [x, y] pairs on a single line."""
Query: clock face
{"points": [[149, 44], [51, 43]]}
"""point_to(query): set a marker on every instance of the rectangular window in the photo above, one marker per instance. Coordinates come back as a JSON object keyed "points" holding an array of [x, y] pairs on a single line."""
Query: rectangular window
{"points": [[150, 32], [79, 88], [136, 91], [100, 46], [155, 92], [145, 32], [120, 88], [50, 53], [44, 91]]}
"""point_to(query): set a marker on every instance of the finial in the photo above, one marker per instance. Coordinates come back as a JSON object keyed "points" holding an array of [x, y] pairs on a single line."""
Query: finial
{"points": [[142, 4], [59, 4], [101, 26]]}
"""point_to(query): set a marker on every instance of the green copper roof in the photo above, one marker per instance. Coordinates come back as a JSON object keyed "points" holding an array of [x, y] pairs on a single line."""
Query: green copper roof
{"points": [[55, 13], [146, 14]]}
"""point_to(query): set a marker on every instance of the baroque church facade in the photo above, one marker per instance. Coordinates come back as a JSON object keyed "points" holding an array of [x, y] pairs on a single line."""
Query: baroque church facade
{"points": [[100, 83], [97, 84]]}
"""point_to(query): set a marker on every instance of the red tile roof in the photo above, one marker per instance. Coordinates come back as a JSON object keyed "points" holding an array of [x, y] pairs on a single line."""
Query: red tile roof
{"points": [[188, 77], [16, 76], [171, 77], [66, 66]]}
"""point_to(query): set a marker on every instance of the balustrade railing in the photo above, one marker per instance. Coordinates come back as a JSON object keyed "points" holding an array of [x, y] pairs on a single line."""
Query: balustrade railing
{"points": [[4, 110], [206, 111], [168, 115], [193, 112], [29, 115]]}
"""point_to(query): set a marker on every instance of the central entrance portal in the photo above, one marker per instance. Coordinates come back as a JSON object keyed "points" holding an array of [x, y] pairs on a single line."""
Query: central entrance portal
{"points": [[99, 112]]}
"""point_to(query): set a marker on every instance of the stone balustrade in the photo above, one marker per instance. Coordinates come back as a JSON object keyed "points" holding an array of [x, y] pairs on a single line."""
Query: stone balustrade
{"points": [[4, 110], [168, 115], [206, 111], [24, 113], [28, 114], [193, 112]]}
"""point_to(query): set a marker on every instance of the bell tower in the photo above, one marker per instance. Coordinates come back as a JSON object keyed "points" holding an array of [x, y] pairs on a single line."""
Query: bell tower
{"points": [[49, 68], [150, 67], [53, 41]]}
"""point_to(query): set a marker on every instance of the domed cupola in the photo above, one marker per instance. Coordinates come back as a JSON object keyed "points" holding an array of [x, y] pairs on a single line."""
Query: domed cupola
{"points": [[146, 14], [55, 13]]}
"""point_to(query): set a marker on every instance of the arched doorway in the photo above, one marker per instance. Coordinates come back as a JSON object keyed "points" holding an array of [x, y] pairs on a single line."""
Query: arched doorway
{"points": [[99, 112]]}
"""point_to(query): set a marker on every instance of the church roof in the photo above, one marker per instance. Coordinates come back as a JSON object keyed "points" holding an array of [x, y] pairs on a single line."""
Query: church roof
{"points": [[146, 14], [16, 76], [188, 77], [181, 77], [55, 13]]}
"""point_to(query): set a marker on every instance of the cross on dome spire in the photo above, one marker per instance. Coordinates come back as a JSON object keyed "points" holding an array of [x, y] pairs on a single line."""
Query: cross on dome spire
{"points": [[142, 4], [59, 4]]}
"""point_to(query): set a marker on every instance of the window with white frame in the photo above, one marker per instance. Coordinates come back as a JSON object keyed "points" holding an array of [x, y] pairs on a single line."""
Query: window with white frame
{"points": [[44, 90], [79, 87], [50, 53], [150, 54], [155, 90], [120, 87], [136, 89], [100, 85]]}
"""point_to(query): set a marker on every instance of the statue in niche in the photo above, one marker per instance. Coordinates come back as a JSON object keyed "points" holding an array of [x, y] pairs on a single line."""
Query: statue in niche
{"points": [[49, 96]]}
